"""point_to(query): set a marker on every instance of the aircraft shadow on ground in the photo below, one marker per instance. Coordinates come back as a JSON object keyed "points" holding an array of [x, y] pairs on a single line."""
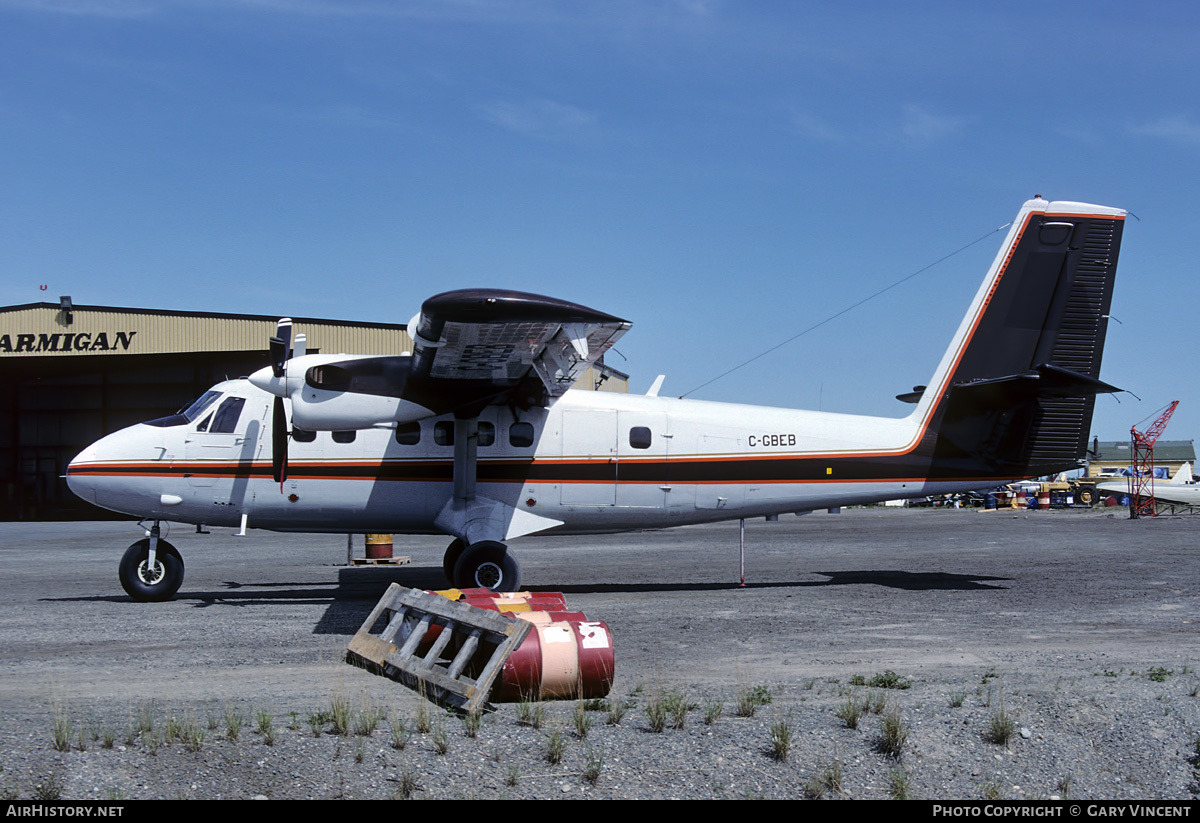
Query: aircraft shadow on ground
{"points": [[349, 599], [907, 581]]}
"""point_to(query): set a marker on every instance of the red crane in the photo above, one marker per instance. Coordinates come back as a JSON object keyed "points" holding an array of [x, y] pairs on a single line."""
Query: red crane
{"points": [[1141, 474]]}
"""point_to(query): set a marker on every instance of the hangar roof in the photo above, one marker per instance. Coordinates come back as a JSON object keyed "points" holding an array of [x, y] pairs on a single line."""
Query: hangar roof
{"points": [[1165, 451], [35, 330], [47, 330]]}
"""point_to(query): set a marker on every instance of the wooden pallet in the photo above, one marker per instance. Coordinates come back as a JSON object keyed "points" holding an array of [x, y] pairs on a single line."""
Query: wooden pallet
{"points": [[380, 561], [482, 639]]}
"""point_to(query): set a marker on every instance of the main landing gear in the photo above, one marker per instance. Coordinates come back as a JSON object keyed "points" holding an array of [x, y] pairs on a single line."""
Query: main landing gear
{"points": [[485, 564], [151, 570]]}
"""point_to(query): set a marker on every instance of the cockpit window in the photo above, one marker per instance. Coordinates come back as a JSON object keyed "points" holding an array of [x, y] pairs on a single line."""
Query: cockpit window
{"points": [[226, 418], [188, 415], [202, 402]]}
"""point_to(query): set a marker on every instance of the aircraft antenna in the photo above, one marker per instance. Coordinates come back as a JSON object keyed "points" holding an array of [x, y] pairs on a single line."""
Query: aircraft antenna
{"points": [[850, 308]]}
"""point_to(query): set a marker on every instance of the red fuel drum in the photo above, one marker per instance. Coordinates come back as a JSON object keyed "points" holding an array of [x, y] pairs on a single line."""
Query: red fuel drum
{"points": [[564, 659], [434, 630], [515, 601]]}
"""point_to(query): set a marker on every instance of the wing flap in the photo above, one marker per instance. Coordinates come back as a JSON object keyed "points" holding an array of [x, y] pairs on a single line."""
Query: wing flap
{"points": [[501, 336]]}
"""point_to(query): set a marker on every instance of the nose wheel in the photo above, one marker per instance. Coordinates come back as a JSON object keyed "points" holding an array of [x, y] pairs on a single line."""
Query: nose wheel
{"points": [[486, 565], [151, 582]]}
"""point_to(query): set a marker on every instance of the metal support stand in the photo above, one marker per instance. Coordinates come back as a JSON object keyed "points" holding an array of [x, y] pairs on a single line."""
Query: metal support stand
{"points": [[742, 526], [466, 457]]}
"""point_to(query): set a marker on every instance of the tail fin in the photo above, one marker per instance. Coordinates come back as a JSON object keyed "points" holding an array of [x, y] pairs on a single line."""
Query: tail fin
{"points": [[1184, 475], [1014, 393]]}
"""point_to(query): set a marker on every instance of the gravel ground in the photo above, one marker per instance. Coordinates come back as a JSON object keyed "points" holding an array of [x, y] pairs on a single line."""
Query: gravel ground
{"points": [[1076, 626]]}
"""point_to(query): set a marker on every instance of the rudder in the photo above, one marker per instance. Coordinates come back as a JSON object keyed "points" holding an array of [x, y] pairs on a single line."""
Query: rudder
{"points": [[1014, 394]]}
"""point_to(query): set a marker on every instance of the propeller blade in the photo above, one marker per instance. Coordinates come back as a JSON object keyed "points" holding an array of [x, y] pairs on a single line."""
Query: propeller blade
{"points": [[279, 442], [281, 346]]}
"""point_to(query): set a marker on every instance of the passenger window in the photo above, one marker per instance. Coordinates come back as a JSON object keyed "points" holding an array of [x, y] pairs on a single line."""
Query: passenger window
{"points": [[302, 436], [487, 433], [345, 437], [520, 435], [639, 437], [443, 433], [225, 419], [408, 434]]}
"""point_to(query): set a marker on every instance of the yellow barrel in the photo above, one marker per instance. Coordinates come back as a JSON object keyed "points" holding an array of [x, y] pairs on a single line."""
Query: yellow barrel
{"points": [[379, 546]]}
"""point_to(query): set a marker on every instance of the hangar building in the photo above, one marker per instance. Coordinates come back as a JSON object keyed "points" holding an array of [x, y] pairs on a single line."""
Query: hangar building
{"points": [[70, 374]]}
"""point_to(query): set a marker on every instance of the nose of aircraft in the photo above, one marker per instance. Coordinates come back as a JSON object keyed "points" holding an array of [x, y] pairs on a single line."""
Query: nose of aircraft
{"points": [[78, 480], [106, 472]]}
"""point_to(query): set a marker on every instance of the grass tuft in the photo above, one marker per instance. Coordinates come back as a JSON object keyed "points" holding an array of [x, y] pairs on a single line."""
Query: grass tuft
{"points": [[852, 711], [893, 734], [898, 785], [400, 735], [592, 767], [340, 715], [265, 724], [889, 680], [61, 731], [781, 740], [471, 723], [1000, 728], [531, 713], [669, 708], [406, 785], [616, 711], [556, 746], [751, 700], [828, 780], [233, 723], [581, 720], [439, 737]]}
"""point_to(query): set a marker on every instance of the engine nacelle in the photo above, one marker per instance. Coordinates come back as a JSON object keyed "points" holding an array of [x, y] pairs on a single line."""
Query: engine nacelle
{"points": [[338, 392], [323, 410]]}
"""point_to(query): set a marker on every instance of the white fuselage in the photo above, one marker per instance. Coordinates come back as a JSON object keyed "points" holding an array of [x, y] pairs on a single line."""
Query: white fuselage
{"points": [[595, 462]]}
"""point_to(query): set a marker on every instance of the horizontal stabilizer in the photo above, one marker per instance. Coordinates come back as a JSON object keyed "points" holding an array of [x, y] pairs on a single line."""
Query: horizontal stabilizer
{"points": [[1046, 380]]}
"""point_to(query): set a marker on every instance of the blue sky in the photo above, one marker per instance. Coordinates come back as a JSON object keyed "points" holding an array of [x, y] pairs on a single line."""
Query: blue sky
{"points": [[723, 174]]}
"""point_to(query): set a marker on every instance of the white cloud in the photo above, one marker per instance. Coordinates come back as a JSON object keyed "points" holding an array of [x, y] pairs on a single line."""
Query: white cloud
{"points": [[545, 119], [813, 128], [925, 126], [1177, 128]]}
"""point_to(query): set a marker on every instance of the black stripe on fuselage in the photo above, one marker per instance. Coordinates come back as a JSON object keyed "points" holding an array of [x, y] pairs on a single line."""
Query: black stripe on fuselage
{"points": [[781, 469]]}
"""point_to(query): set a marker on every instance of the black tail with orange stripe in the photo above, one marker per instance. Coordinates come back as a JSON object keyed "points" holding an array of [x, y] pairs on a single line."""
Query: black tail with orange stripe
{"points": [[1015, 394]]}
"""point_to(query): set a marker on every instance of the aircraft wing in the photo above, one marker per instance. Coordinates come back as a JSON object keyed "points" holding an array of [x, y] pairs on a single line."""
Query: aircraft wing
{"points": [[471, 348], [502, 337]]}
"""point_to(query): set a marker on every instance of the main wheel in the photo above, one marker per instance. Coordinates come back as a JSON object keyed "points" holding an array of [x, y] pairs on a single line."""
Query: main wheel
{"points": [[151, 584], [488, 565], [450, 558]]}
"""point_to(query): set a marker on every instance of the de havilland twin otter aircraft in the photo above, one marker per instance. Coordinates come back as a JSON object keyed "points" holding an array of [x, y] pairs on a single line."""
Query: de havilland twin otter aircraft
{"points": [[476, 434]]}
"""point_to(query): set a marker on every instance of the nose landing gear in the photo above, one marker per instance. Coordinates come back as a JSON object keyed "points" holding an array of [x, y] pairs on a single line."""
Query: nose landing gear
{"points": [[151, 569]]}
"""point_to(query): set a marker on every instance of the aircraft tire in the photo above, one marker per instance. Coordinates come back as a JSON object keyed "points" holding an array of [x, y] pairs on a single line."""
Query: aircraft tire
{"points": [[146, 585], [488, 565], [450, 558]]}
